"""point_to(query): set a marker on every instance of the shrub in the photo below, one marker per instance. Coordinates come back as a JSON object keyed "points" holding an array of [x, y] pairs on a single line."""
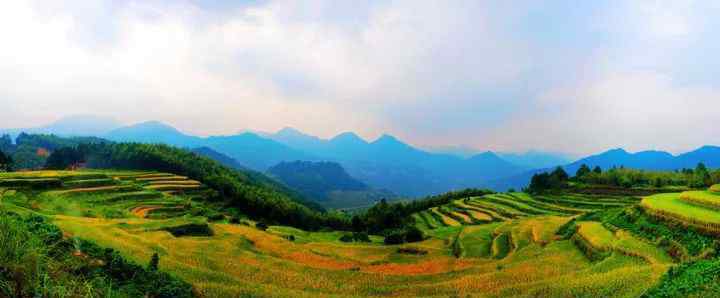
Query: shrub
{"points": [[347, 238], [215, 216], [361, 237], [261, 226], [413, 234], [235, 220], [412, 251], [191, 229], [395, 237]]}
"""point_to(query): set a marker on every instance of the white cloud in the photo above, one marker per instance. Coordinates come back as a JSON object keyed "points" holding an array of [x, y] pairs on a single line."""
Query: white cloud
{"points": [[435, 72]]}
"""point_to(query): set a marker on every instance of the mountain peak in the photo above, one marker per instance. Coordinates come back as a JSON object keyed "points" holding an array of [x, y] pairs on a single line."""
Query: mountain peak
{"points": [[386, 138], [154, 125], [348, 137], [289, 131]]}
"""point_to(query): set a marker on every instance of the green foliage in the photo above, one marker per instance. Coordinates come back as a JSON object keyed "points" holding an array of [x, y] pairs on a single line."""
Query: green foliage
{"points": [[26, 158], [395, 237], [413, 234], [700, 177], [582, 171], [261, 226], [457, 247], [346, 238], [35, 261], [407, 234], [700, 279], [547, 181], [66, 157], [190, 229], [5, 162]]}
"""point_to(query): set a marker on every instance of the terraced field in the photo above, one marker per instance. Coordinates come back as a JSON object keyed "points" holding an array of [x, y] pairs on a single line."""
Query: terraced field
{"points": [[508, 206], [501, 245], [698, 209], [104, 194]]}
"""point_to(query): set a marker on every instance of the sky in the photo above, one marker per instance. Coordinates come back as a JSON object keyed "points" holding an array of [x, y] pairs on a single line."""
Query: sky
{"points": [[576, 77]]}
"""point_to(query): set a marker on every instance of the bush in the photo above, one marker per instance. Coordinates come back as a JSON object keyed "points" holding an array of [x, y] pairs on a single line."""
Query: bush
{"points": [[235, 220], [361, 237], [413, 234], [216, 216], [346, 238], [261, 226], [395, 237], [192, 229], [412, 251]]}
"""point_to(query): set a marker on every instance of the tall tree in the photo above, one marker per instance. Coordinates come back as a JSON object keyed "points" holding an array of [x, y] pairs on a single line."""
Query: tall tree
{"points": [[5, 162], [582, 171]]}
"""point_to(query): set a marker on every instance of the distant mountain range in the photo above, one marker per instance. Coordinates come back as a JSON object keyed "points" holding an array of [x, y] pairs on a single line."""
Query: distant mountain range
{"points": [[385, 163], [80, 125], [645, 160]]}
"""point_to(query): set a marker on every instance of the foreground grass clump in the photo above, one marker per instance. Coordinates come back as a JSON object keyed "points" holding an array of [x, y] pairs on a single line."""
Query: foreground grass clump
{"points": [[36, 261]]}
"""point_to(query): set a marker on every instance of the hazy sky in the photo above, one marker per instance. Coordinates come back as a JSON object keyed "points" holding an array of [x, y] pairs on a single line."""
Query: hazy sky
{"points": [[569, 76]]}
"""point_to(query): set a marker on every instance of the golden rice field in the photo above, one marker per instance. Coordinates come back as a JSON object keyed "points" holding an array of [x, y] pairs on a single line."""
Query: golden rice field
{"points": [[508, 241]]}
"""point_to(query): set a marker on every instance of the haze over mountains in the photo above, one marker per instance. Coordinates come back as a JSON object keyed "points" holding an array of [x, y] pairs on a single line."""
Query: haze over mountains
{"points": [[385, 163]]}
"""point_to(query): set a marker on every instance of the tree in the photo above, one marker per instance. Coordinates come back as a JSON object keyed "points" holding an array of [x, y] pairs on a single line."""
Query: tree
{"points": [[6, 143], [413, 234], [65, 158], [357, 224], [539, 183], [560, 174], [5, 162], [597, 170], [701, 177], [582, 171]]}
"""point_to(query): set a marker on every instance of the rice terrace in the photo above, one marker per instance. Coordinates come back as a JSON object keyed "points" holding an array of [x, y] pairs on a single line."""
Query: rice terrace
{"points": [[362, 149], [488, 245]]}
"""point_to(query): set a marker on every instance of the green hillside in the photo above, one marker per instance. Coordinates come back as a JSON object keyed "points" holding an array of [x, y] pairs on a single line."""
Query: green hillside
{"points": [[475, 243]]}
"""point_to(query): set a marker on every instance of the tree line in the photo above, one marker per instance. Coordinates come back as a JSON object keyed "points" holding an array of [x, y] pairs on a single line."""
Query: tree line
{"points": [[700, 177]]}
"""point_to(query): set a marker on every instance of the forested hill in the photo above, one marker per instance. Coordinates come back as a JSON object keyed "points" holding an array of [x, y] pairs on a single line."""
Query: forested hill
{"points": [[253, 193], [316, 179]]}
